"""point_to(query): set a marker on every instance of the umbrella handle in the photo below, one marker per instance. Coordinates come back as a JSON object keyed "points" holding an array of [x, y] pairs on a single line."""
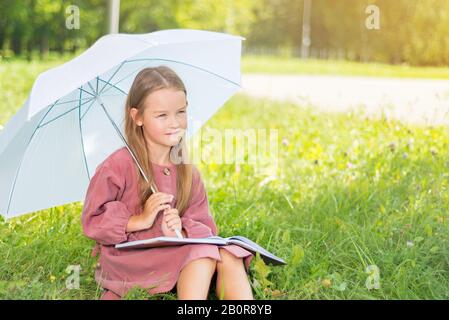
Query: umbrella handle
{"points": [[178, 232]]}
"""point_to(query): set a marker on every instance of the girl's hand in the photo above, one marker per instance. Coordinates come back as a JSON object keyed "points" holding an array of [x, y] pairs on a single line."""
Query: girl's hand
{"points": [[155, 203], [170, 222]]}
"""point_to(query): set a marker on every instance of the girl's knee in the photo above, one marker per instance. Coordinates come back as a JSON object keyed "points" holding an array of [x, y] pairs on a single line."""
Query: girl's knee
{"points": [[202, 263], [208, 261], [194, 282], [228, 259]]}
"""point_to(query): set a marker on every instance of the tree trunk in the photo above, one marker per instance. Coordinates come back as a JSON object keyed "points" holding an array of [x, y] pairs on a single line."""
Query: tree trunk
{"points": [[44, 45], [16, 43]]}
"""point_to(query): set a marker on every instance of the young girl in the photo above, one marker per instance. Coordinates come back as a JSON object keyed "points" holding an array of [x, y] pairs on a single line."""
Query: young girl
{"points": [[119, 206]]}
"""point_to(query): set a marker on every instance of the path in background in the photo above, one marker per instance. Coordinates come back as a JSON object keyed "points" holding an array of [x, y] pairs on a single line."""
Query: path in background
{"points": [[421, 101]]}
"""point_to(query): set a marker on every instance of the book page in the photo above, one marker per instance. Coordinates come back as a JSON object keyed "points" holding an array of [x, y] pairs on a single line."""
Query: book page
{"points": [[250, 244], [162, 241]]}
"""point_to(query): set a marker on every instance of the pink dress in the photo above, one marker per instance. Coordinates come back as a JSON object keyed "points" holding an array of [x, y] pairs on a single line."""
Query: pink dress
{"points": [[111, 199]]}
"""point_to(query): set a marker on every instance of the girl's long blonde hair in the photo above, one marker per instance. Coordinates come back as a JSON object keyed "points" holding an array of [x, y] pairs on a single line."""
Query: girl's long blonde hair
{"points": [[147, 81]]}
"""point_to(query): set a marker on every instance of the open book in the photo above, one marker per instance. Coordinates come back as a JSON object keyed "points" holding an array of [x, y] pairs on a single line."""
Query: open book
{"points": [[243, 242]]}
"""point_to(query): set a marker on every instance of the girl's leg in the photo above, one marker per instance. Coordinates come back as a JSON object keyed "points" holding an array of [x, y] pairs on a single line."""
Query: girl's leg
{"points": [[194, 279], [232, 280]]}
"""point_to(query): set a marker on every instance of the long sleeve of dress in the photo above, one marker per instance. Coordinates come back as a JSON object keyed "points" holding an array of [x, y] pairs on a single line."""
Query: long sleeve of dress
{"points": [[197, 220], [104, 218]]}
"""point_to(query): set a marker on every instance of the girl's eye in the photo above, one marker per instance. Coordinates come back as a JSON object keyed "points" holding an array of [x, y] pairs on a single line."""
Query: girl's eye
{"points": [[182, 111], [161, 115]]}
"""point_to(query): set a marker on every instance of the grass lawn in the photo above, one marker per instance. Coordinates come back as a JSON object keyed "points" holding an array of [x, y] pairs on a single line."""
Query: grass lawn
{"points": [[16, 81], [286, 65], [350, 193]]}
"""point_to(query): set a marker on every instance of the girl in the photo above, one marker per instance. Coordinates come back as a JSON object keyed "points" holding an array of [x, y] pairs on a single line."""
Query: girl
{"points": [[119, 206]]}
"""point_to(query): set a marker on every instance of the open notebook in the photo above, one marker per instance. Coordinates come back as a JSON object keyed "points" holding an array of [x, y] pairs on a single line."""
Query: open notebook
{"points": [[243, 242]]}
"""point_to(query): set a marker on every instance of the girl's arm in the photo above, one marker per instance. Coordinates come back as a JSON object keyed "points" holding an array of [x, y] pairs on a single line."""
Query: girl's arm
{"points": [[104, 219], [136, 223]]}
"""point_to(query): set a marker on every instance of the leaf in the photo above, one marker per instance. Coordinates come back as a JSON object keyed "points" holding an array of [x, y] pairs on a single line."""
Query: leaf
{"points": [[428, 230], [341, 287], [434, 249], [297, 255], [276, 294], [418, 239], [286, 236], [262, 271]]}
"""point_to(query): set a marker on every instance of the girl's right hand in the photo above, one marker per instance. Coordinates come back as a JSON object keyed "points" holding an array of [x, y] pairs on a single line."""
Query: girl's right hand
{"points": [[155, 203]]}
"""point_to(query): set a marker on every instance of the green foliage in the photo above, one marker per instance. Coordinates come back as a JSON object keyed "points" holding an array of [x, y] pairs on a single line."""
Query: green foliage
{"points": [[16, 81], [28, 27], [411, 32], [349, 193], [138, 293], [291, 65]]}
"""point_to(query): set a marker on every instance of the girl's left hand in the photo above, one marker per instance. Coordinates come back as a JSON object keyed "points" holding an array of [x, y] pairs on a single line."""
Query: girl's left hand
{"points": [[170, 222]]}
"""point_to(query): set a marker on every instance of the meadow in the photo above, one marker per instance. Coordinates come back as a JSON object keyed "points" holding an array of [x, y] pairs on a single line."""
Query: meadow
{"points": [[357, 207], [288, 65]]}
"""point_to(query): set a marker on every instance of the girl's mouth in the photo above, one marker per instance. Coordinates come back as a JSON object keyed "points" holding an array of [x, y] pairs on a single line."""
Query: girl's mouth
{"points": [[175, 133]]}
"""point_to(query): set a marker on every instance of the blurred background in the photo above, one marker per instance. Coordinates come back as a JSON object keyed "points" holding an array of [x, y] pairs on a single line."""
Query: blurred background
{"points": [[410, 32]]}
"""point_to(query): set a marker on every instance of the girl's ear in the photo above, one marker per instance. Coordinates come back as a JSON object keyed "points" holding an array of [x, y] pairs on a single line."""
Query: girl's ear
{"points": [[134, 116]]}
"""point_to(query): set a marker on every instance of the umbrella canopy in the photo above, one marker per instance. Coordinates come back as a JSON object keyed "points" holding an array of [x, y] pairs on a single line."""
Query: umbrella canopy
{"points": [[74, 116]]}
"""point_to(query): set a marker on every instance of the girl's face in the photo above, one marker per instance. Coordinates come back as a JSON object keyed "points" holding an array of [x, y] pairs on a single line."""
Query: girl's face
{"points": [[165, 116]]}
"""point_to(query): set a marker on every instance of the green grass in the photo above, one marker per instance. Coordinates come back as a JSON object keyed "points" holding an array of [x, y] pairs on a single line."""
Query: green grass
{"points": [[350, 192], [16, 81], [287, 65]]}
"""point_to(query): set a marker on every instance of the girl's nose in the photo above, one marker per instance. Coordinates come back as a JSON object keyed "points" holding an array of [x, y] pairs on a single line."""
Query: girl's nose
{"points": [[174, 123]]}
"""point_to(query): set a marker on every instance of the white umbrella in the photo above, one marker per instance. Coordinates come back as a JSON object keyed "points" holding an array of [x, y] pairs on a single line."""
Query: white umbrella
{"points": [[73, 117]]}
